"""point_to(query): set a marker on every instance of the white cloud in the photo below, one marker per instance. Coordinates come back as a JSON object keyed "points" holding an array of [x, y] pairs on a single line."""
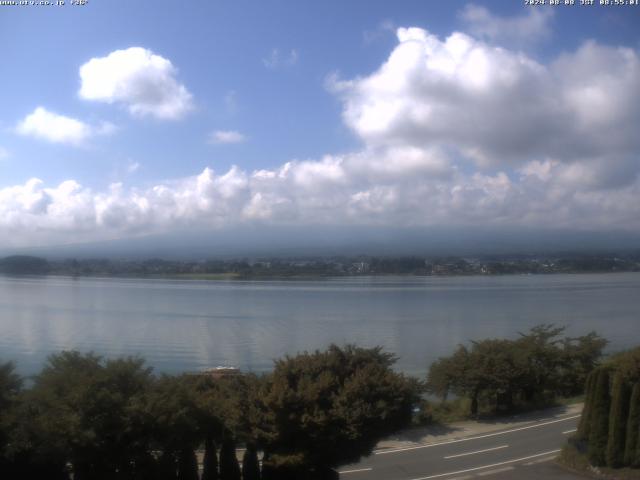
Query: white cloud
{"points": [[391, 187], [226, 136], [455, 132], [55, 128], [533, 26], [276, 58], [4, 153], [495, 106], [136, 77]]}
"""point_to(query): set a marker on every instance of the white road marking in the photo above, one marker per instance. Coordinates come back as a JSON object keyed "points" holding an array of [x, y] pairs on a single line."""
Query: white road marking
{"points": [[356, 470], [493, 472], [477, 451], [515, 460], [385, 452], [570, 431]]}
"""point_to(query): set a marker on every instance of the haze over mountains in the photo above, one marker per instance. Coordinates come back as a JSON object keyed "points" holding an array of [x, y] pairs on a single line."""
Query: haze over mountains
{"points": [[333, 241]]}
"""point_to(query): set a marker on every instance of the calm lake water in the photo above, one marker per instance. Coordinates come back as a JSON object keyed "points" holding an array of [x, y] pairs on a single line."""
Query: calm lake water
{"points": [[189, 325]]}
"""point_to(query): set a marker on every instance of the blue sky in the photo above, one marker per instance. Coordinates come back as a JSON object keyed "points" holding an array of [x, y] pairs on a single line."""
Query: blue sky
{"points": [[298, 91]]}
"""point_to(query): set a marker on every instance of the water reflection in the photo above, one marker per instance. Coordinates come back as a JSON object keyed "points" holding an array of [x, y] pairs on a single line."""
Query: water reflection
{"points": [[190, 325]]}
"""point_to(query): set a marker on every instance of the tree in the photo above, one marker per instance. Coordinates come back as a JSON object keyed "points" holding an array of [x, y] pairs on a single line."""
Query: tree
{"points": [[579, 357], [587, 411], [85, 411], [10, 387], [443, 375], [173, 407], [632, 442], [542, 358], [250, 465], [210, 460], [618, 417], [599, 429], [187, 465], [532, 369], [229, 468], [330, 408]]}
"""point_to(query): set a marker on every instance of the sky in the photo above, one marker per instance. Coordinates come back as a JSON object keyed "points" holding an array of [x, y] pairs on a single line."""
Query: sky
{"points": [[122, 119]]}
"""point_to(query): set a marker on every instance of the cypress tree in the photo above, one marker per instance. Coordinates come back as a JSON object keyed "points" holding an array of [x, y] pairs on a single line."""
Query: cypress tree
{"points": [[618, 421], [250, 465], [229, 468], [599, 428], [210, 461], [167, 467], [187, 465], [633, 428], [585, 419]]}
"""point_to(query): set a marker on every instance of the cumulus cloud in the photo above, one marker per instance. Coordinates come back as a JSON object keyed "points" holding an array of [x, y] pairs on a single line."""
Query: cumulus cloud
{"points": [[55, 128], [454, 131], [531, 26], [136, 77], [498, 107], [226, 136], [334, 190]]}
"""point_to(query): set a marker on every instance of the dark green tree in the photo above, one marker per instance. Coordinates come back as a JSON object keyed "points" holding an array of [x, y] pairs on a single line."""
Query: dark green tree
{"points": [[444, 374], [167, 467], [250, 464], [229, 467], [599, 429], [632, 443], [329, 408], [187, 465], [210, 460], [587, 410], [89, 412], [174, 415], [618, 417], [579, 357]]}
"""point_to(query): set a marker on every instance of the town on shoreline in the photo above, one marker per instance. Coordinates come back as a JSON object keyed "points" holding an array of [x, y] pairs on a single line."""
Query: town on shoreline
{"points": [[336, 266]]}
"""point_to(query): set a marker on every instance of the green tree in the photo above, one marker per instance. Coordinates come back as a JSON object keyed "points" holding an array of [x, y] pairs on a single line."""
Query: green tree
{"points": [[229, 468], [579, 357], [167, 466], [210, 460], [599, 429], [330, 408], [187, 465], [173, 414], [250, 464], [587, 410], [542, 358], [618, 417], [632, 443]]}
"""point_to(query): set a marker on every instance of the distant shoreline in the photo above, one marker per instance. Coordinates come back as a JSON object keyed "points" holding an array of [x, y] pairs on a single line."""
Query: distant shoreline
{"points": [[317, 268], [231, 277]]}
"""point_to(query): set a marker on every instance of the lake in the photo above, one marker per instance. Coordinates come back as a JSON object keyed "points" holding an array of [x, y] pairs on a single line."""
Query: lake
{"points": [[189, 325]]}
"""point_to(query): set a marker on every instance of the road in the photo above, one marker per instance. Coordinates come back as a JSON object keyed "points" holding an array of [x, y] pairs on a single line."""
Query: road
{"points": [[522, 452]]}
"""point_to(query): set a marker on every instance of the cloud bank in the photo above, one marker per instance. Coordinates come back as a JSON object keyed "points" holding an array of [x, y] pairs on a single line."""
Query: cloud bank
{"points": [[139, 79], [454, 131]]}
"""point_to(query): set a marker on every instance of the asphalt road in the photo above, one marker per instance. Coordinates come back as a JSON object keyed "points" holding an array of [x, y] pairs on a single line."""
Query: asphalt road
{"points": [[521, 452]]}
